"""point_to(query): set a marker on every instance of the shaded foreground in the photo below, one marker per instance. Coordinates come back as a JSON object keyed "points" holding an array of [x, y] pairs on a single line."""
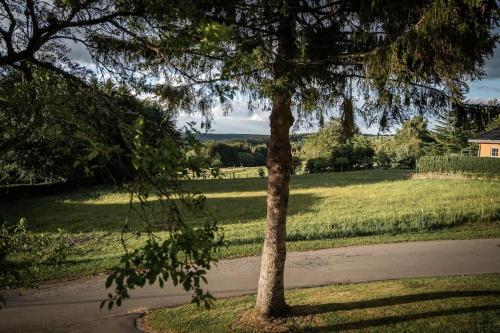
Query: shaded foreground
{"points": [[464, 304], [73, 306]]}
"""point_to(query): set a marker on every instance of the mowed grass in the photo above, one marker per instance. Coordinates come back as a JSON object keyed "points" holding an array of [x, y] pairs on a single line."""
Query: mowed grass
{"points": [[444, 304], [242, 172], [325, 210]]}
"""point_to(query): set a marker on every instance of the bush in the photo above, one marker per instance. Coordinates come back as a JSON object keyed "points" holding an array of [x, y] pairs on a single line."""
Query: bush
{"points": [[341, 162], [22, 253], [246, 159], [459, 164], [259, 159], [296, 165], [319, 164]]}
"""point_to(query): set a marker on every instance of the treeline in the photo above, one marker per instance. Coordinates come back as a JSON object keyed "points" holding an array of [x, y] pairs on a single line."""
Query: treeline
{"points": [[330, 150], [239, 150], [236, 153]]}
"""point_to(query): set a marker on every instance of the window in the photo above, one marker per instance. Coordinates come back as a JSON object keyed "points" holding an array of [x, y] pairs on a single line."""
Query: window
{"points": [[494, 152]]}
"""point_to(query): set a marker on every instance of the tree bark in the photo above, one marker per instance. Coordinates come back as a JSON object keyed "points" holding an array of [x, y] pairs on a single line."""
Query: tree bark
{"points": [[271, 291]]}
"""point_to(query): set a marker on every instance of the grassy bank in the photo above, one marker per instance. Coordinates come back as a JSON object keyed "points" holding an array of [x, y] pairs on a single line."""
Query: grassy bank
{"points": [[326, 210], [445, 304]]}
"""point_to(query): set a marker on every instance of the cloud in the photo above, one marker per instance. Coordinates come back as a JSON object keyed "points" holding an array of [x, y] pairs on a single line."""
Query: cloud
{"points": [[78, 51], [481, 101], [242, 121], [239, 120], [494, 88]]}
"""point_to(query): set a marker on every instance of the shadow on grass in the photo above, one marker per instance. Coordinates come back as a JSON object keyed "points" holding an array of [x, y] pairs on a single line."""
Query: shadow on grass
{"points": [[305, 181], [101, 217], [307, 310], [70, 213]]}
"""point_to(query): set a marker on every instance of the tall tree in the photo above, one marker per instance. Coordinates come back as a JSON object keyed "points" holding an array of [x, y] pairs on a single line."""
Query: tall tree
{"points": [[40, 34], [410, 141], [450, 138], [299, 57]]}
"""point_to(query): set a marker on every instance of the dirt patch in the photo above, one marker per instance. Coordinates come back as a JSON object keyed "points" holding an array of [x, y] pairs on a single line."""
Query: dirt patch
{"points": [[250, 321], [142, 323]]}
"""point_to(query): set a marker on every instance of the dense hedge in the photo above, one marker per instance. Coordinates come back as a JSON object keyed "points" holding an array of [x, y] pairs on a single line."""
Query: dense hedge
{"points": [[459, 164], [319, 164]]}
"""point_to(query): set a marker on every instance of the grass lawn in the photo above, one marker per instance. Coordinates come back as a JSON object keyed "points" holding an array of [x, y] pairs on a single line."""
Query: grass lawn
{"points": [[325, 210], [242, 172], [444, 304]]}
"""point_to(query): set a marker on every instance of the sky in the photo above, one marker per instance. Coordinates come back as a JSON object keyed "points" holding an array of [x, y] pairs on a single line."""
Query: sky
{"points": [[242, 121]]}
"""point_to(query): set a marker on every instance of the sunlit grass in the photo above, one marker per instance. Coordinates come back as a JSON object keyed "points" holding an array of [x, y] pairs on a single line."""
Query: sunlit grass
{"points": [[444, 304], [325, 210]]}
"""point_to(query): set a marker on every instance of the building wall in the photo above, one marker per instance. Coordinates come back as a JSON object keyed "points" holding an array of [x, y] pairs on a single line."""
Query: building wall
{"points": [[485, 149]]}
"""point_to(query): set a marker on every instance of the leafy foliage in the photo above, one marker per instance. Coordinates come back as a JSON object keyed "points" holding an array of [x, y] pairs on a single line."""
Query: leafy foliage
{"points": [[319, 164], [34, 249], [235, 153], [71, 123], [160, 167], [324, 142], [183, 258]]}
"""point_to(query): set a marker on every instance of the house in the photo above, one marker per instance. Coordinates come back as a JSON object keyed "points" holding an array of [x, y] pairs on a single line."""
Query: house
{"points": [[489, 143]]}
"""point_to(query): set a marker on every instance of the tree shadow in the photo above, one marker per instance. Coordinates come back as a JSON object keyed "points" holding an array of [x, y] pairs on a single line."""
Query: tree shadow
{"points": [[377, 322], [305, 181], [77, 212], [307, 310], [75, 216]]}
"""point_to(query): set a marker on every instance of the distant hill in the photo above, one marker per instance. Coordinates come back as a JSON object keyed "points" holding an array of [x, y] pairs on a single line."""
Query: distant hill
{"points": [[232, 137], [259, 138]]}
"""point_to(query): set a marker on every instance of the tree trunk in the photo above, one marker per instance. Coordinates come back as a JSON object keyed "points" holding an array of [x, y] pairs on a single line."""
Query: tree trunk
{"points": [[271, 291]]}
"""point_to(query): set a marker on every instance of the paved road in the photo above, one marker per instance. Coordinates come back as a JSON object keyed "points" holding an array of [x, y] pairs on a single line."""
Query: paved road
{"points": [[74, 306]]}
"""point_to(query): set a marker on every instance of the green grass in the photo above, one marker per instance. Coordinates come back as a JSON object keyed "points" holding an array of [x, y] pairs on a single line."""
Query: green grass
{"points": [[444, 304], [242, 172], [325, 210]]}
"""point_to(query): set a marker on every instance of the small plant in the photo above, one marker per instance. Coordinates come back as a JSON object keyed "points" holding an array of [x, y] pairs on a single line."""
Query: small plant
{"points": [[22, 253], [261, 173]]}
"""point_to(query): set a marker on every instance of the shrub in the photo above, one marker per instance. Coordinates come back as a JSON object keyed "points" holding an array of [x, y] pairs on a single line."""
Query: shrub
{"points": [[246, 159], [22, 253], [341, 162], [459, 164], [319, 164], [296, 165]]}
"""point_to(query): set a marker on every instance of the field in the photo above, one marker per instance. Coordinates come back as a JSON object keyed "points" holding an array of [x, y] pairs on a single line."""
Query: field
{"points": [[242, 172], [445, 304], [326, 210]]}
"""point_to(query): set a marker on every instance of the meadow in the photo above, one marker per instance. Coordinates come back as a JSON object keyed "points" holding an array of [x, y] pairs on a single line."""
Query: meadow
{"points": [[325, 210]]}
